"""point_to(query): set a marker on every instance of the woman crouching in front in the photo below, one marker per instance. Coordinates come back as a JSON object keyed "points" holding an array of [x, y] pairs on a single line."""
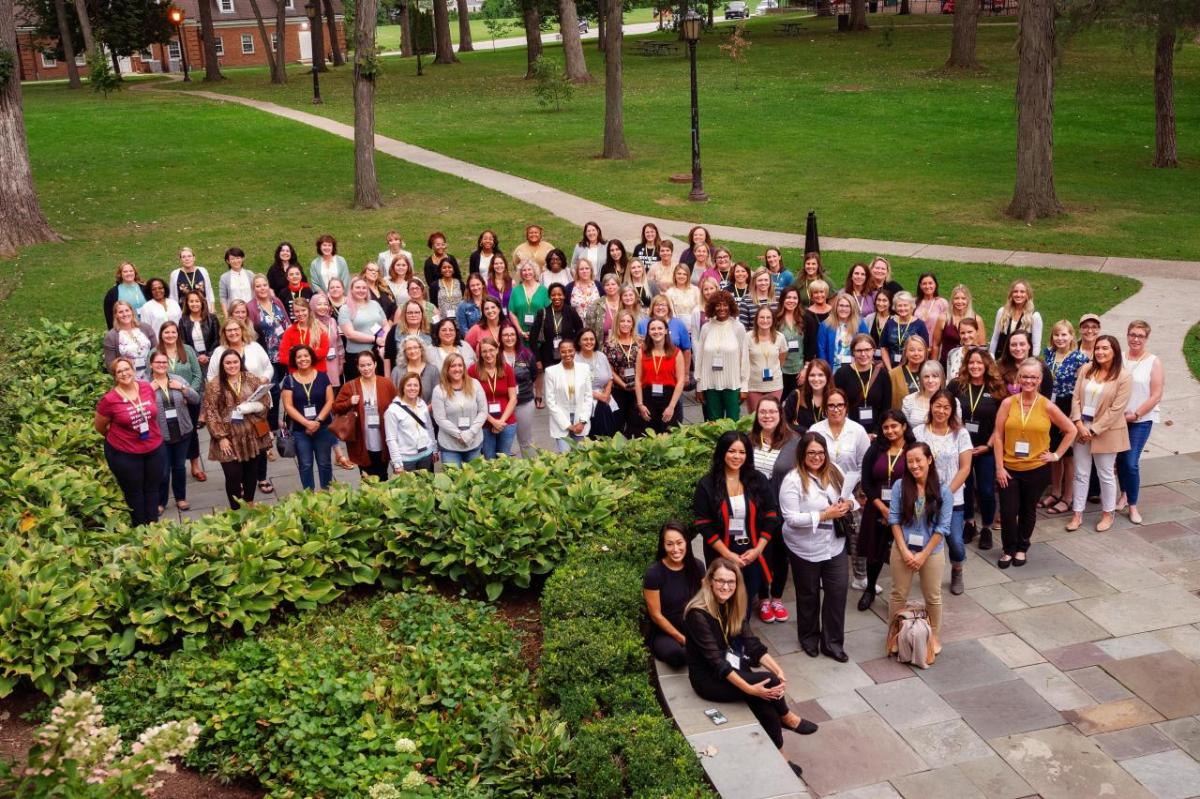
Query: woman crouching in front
{"points": [[721, 654]]}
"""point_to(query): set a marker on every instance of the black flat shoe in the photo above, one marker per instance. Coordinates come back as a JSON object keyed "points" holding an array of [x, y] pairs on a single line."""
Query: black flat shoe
{"points": [[1018, 562], [864, 602], [811, 651], [1004, 564], [836, 654], [805, 727]]}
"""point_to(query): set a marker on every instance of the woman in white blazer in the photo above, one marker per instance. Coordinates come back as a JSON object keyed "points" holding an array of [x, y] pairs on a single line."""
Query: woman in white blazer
{"points": [[568, 398], [408, 428]]}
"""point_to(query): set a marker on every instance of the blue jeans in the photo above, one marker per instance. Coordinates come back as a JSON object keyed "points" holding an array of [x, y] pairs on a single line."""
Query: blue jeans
{"points": [[175, 470], [981, 485], [498, 443], [318, 445], [453, 457], [958, 551], [1129, 463]]}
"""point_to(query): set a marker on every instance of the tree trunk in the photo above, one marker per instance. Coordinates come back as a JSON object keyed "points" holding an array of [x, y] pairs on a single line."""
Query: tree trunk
{"points": [[614, 113], [406, 34], [443, 47], [858, 15], [1165, 154], [116, 62], [281, 48], [966, 30], [464, 28], [601, 24], [1034, 196], [533, 35], [68, 46], [824, 8], [710, 13], [208, 38], [366, 187], [335, 49], [85, 24], [318, 40], [576, 65], [904, 9], [272, 61], [22, 222]]}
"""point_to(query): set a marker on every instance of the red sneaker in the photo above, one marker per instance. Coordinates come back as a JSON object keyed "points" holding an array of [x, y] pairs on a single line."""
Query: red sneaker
{"points": [[766, 612], [781, 614]]}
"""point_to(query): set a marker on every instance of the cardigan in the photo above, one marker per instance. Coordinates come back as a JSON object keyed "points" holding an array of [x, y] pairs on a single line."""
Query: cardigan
{"points": [[543, 332], [879, 393], [1111, 431], [385, 392], [448, 412], [712, 515], [706, 646], [317, 280], [112, 347]]}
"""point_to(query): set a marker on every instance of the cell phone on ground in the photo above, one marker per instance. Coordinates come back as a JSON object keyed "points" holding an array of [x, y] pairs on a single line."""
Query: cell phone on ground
{"points": [[716, 716]]}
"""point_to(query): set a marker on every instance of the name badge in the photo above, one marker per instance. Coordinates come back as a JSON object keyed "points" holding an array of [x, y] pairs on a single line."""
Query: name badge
{"points": [[310, 411], [197, 340], [331, 356], [529, 319], [236, 416], [1089, 413], [794, 346], [886, 495], [737, 525], [766, 374], [144, 428], [557, 342], [170, 413], [464, 422], [733, 659], [627, 375], [139, 362], [1021, 448], [372, 418], [825, 527], [844, 358], [866, 414], [718, 363], [494, 408], [376, 330], [572, 419], [972, 427], [916, 540], [656, 389], [878, 355]]}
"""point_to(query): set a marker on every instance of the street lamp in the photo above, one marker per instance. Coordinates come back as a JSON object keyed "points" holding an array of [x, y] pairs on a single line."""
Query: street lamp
{"points": [[310, 11], [692, 24], [176, 16]]}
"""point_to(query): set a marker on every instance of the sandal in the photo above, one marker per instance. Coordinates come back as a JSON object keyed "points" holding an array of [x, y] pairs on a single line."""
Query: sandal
{"points": [[182, 504], [199, 475], [1058, 508], [539, 403], [266, 486], [1048, 501]]}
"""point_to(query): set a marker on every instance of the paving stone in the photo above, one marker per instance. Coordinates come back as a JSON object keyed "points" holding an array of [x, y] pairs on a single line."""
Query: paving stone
{"points": [[1155, 533], [946, 743], [942, 783], [1185, 575], [996, 599], [810, 710], [995, 778], [1134, 742], [980, 571], [1152, 514], [883, 670], [1053, 626], [1168, 681], [781, 638], [994, 711], [1086, 584], [843, 704], [810, 678], [1111, 716], [688, 708], [1132, 646], [1139, 611], [1012, 651], [850, 752], [1040, 591], [1168, 775], [962, 665], [880, 790], [1185, 640], [907, 703], [1185, 732], [1133, 579], [737, 747], [1060, 763], [1055, 687], [858, 620], [1097, 682], [863, 645], [1186, 488], [1185, 548], [1043, 560], [964, 619], [1111, 553], [1076, 656]]}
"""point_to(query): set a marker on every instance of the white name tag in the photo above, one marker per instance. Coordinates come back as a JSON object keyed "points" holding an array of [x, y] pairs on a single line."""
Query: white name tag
{"points": [[627, 375], [733, 660], [372, 418], [866, 414], [376, 330], [236, 416], [170, 413], [916, 540], [737, 525], [310, 411], [718, 363], [1021, 448], [197, 340], [1089, 412], [331, 356], [529, 318], [972, 427], [557, 342], [494, 408], [886, 495], [464, 422], [656, 389], [794, 346], [878, 355], [140, 362], [143, 427]]}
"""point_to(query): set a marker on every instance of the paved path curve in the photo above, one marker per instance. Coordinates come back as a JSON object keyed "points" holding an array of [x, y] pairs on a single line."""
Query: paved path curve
{"points": [[1166, 299]]}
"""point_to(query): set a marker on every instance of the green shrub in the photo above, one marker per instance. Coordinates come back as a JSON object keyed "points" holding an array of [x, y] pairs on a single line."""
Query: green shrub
{"points": [[639, 756]]}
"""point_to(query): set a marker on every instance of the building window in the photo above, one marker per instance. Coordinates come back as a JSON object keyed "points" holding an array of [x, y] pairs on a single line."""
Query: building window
{"points": [[290, 5], [220, 46], [146, 55], [226, 6], [49, 61], [81, 60], [173, 51], [274, 42], [247, 44]]}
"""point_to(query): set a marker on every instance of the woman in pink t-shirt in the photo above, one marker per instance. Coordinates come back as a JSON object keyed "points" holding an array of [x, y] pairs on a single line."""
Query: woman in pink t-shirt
{"points": [[127, 418]]}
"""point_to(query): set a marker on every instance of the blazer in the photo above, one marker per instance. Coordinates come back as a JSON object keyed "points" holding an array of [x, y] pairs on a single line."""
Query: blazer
{"points": [[317, 282], [542, 334], [712, 516], [1109, 425], [385, 392], [827, 343], [558, 400]]}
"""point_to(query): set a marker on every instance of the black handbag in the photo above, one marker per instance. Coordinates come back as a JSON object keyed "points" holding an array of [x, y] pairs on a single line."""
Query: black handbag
{"points": [[845, 527], [285, 444]]}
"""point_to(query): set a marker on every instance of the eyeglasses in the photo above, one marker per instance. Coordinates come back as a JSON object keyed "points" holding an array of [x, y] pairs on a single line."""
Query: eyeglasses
{"points": [[732, 582], [816, 453], [864, 350], [836, 406], [1136, 335]]}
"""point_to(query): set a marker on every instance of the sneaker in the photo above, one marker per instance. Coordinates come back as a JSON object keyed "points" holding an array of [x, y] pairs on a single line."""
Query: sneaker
{"points": [[781, 613], [858, 583], [766, 612]]}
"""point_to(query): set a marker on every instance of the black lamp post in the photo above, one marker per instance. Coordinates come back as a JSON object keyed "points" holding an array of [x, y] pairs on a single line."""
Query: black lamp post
{"points": [[176, 16], [310, 11], [692, 24]]}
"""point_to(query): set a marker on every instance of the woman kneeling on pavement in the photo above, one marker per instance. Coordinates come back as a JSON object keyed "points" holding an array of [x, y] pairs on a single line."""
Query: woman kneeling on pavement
{"points": [[670, 582]]}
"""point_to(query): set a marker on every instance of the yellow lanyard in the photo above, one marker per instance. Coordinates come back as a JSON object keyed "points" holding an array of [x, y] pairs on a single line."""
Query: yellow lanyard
{"points": [[912, 381], [191, 278], [1022, 413], [492, 384], [864, 384], [307, 390], [902, 333], [556, 320], [891, 464], [570, 375], [974, 400]]}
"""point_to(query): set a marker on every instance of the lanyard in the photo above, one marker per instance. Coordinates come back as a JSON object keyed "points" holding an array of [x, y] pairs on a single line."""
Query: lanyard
{"points": [[570, 375], [865, 384], [556, 320], [657, 360], [912, 381], [1023, 415], [891, 464], [492, 384], [1093, 395], [627, 351], [974, 400], [902, 333], [134, 405], [307, 389], [191, 278], [166, 393]]}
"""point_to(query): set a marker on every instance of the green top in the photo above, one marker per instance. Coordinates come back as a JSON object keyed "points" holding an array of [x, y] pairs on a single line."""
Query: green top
{"points": [[522, 309], [794, 336], [188, 370]]}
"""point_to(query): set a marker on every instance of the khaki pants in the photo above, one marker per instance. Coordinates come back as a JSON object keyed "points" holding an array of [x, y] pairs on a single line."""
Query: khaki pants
{"points": [[931, 586]]}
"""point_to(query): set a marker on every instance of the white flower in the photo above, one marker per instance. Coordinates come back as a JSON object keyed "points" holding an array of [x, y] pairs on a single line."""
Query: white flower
{"points": [[383, 790], [405, 745], [412, 781]]}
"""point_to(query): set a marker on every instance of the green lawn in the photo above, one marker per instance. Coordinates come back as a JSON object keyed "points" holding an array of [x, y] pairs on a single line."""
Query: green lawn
{"points": [[135, 188], [388, 36], [1191, 350], [857, 127]]}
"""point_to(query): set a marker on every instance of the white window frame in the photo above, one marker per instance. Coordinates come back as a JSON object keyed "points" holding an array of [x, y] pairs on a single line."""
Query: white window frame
{"points": [[48, 60], [146, 55], [290, 5], [81, 60], [274, 42], [247, 44], [219, 43], [221, 6], [174, 52]]}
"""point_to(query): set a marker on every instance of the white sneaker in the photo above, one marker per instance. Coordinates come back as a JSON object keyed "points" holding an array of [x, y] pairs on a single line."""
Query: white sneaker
{"points": [[858, 583]]}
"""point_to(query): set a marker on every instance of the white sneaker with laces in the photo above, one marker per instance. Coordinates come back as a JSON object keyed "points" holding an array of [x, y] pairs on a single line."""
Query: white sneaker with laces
{"points": [[858, 583]]}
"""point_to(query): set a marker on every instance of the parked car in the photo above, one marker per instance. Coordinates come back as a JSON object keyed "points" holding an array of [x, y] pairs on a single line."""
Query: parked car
{"points": [[583, 26], [736, 10], [765, 6]]}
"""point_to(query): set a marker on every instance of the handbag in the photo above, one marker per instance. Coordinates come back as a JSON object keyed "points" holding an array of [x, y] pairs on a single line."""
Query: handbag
{"points": [[285, 444], [345, 427], [261, 428], [844, 527]]}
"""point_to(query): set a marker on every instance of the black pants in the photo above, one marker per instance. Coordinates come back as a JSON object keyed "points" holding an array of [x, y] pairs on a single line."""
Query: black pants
{"points": [[777, 560], [656, 406], [767, 711], [193, 450], [1018, 507], [667, 649], [820, 623], [627, 420], [378, 467], [241, 478], [139, 477]]}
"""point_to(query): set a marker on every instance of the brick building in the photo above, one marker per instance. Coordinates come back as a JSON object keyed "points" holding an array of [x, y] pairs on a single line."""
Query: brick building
{"points": [[239, 43]]}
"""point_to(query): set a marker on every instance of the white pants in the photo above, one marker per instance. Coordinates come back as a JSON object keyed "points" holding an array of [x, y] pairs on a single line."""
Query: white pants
{"points": [[1105, 466], [567, 442], [524, 414]]}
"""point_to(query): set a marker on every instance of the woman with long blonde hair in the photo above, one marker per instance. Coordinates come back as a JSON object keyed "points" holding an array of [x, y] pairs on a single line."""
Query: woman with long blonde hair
{"points": [[1018, 313]]}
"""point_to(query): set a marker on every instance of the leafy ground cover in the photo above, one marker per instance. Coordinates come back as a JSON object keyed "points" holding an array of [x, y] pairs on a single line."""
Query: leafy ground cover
{"points": [[1191, 350], [861, 128]]}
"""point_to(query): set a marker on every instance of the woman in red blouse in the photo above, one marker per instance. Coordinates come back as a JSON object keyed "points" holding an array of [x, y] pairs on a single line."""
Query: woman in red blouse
{"points": [[659, 379], [500, 389], [308, 330], [127, 418]]}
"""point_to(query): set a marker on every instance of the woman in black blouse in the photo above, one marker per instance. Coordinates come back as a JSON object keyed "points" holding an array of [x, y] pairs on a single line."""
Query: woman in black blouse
{"points": [[805, 406], [882, 465], [285, 258], [668, 585], [553, 325], [979, 390], [722, 654], [863, 379]]}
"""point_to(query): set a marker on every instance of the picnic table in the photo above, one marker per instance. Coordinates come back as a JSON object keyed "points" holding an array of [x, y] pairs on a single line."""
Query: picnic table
{"points": [[656, 48], [791, 29]]}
